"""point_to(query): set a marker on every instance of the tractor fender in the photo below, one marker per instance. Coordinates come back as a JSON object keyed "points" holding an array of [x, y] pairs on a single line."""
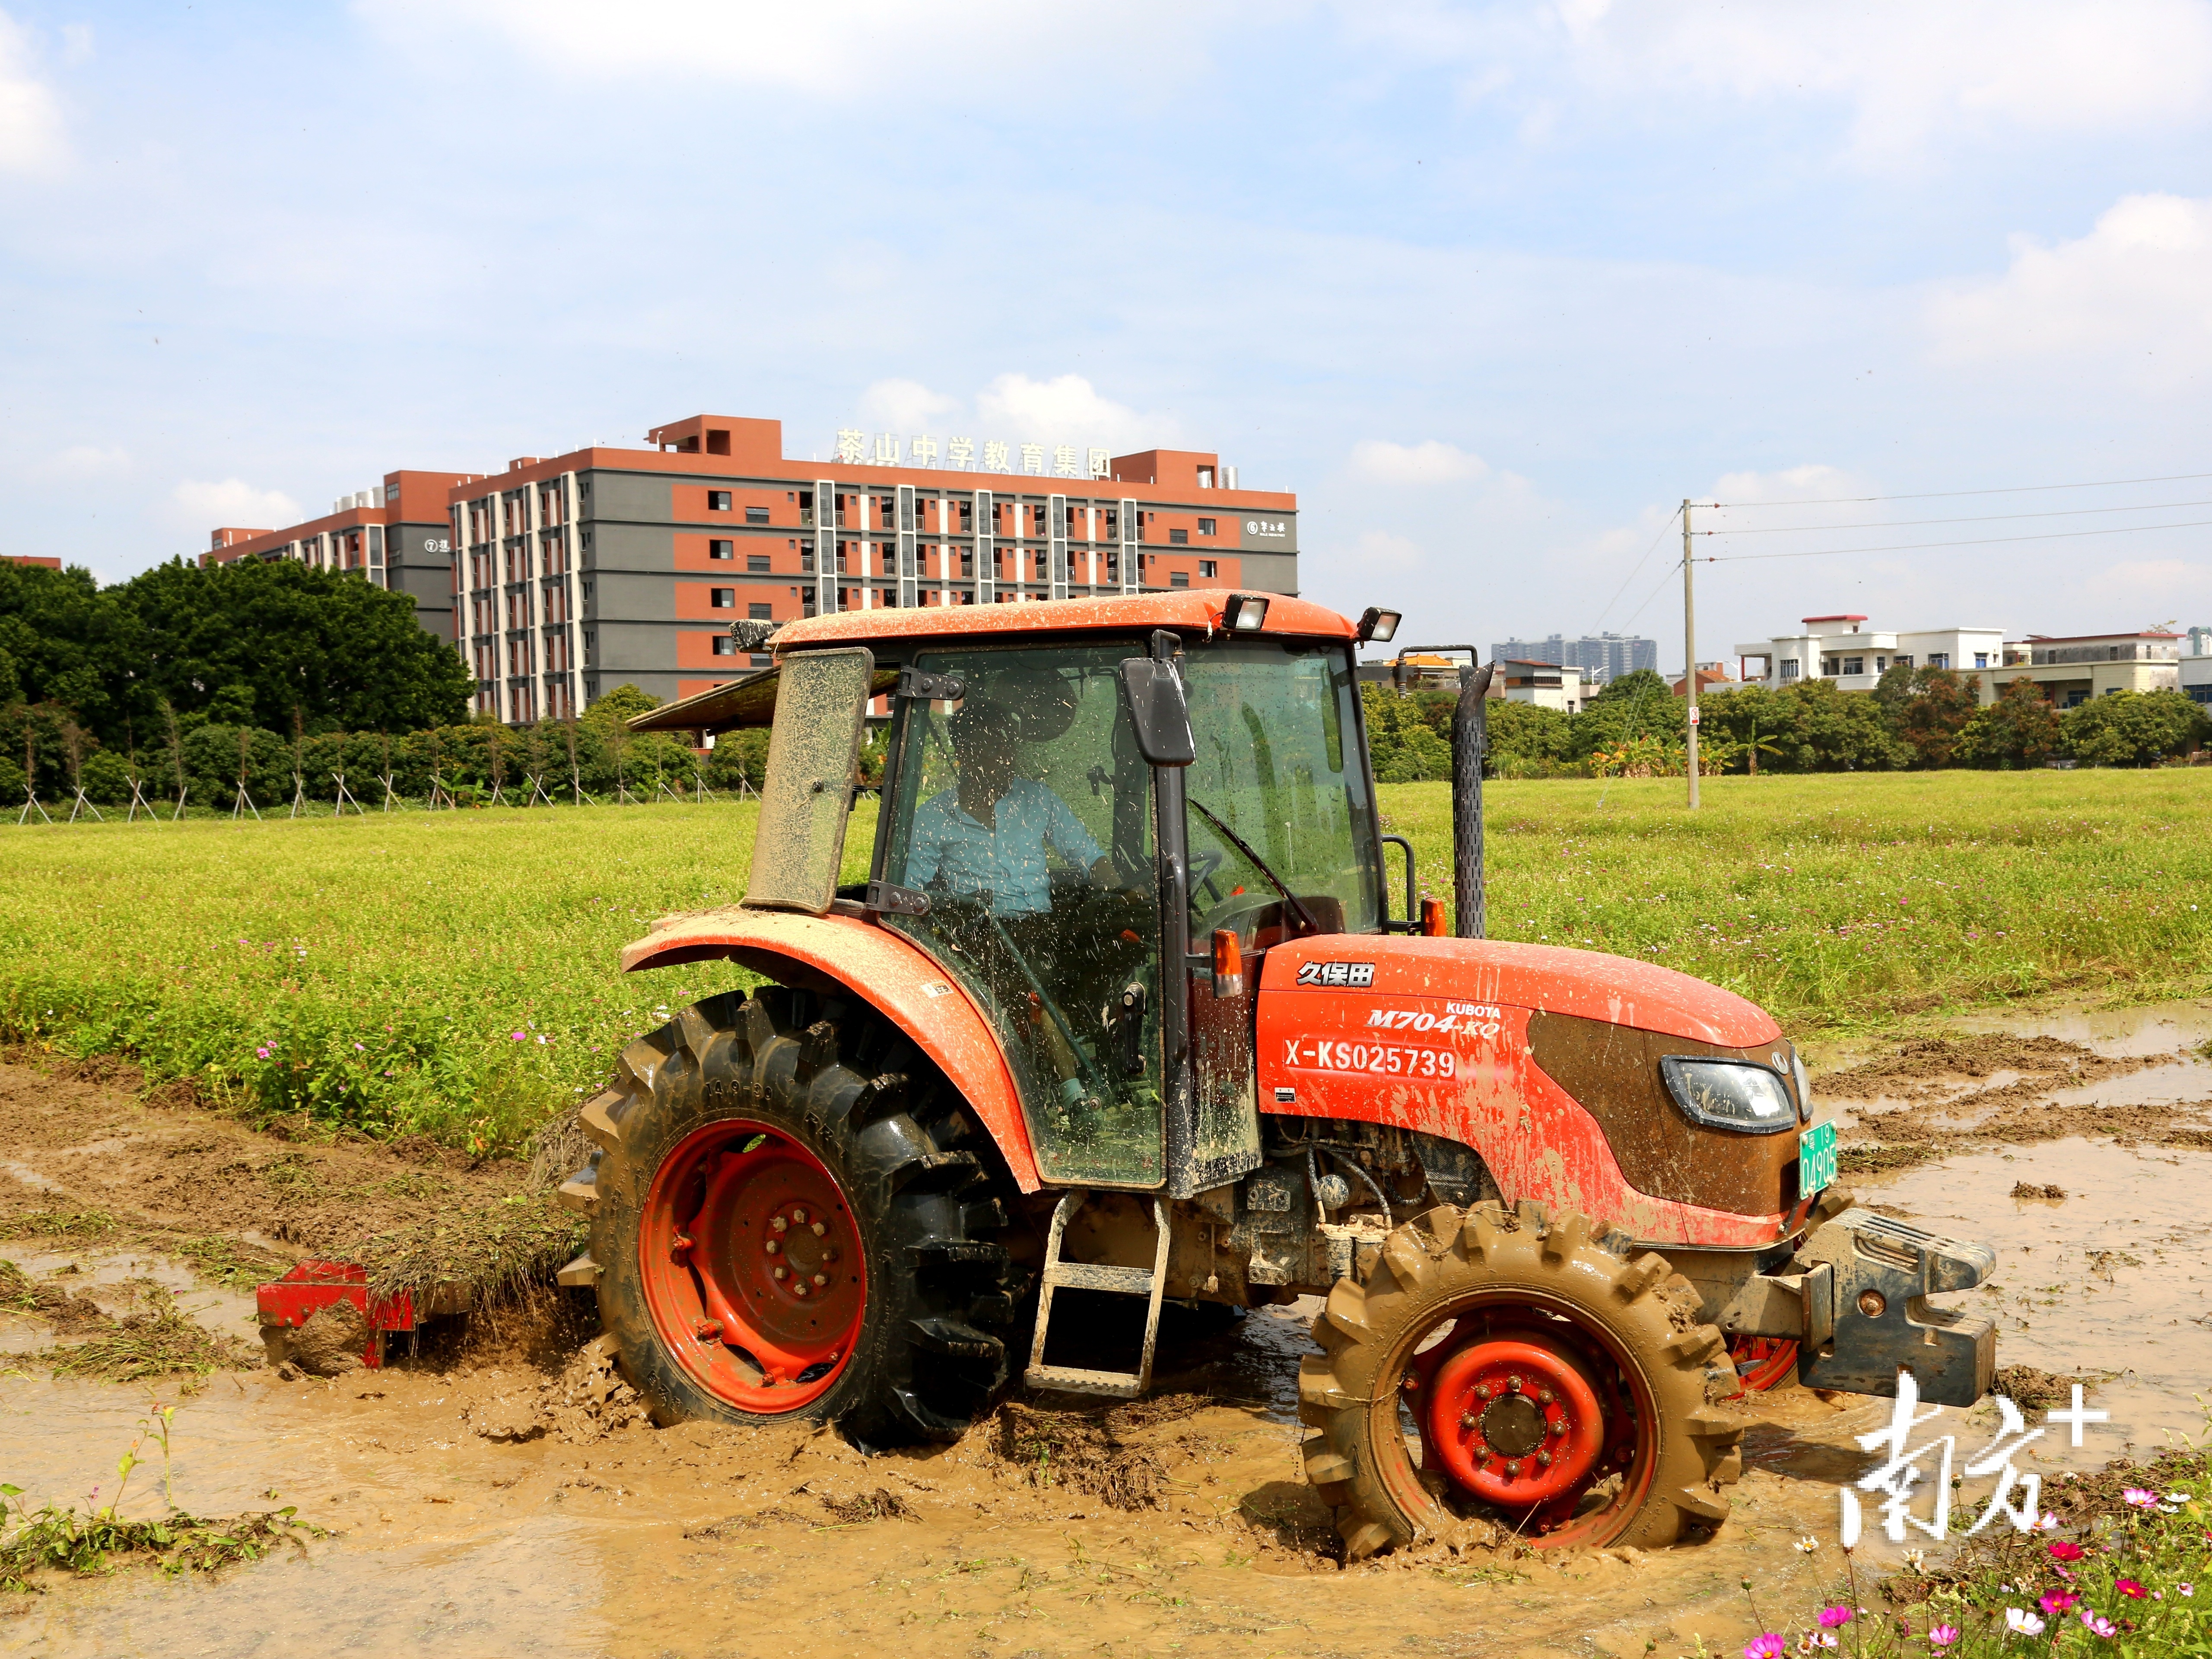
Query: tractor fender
{"points": [[885, 970]]}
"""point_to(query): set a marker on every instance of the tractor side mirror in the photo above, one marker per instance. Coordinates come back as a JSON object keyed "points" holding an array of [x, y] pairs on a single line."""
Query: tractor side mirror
{"points": [[1152, 695]]}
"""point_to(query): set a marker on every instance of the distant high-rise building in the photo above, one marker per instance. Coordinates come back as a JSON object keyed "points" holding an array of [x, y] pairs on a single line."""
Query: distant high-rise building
{"points": [[1603, 658]]}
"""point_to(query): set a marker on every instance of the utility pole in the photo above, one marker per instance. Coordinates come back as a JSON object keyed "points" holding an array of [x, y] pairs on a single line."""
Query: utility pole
{"points": [[1690, 652]]}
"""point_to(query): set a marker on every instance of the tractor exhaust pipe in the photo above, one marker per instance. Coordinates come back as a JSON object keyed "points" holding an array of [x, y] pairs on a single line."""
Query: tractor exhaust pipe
{"points": [[1470, 741]]}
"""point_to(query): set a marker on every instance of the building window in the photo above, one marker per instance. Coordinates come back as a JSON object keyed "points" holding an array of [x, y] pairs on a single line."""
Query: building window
{"points": [[1789, 670], [1178, 539], [1901, 661], [725, 646], [1981, 659], [718, 501], [755, 515], [758, 612], [1179, 579], [723, 598], [1939, 659], [1855, 664], [761, 660], [1206, 527], [1208, 567], [721, 550], [756, 563]]}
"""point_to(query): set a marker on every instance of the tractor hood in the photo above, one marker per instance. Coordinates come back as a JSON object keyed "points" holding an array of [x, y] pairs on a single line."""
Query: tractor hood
{"points": [[1588, 984]]}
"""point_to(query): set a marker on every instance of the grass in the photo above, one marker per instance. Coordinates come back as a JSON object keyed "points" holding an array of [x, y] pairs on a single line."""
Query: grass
{"points": [[51, 1539], [454, 973], [1842, 902], [157, 1343]]}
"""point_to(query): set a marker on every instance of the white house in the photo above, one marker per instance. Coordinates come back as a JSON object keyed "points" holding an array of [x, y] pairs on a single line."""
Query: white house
{"points": [[1546, 684], [1843, 649], [2196, 666]]}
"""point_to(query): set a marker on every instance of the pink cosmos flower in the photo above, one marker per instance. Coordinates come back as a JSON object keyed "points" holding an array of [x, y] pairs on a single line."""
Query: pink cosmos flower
{"points": [[515, 1036], [2055, 1603], [2184, 1589], [2129, 1587], [2022, 1622], [2064, 1549], [1943, 1635], [2097, 1625], [1764, 1645], [2140, 1499], [1832, 1618]]}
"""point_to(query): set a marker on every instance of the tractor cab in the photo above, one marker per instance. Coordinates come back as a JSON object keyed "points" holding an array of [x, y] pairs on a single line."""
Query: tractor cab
{"points": [[1100, 902]]}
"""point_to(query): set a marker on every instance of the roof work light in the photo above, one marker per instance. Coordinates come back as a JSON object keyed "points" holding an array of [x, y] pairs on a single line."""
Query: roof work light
{"points": [[1245, 613], [1378, 625]]}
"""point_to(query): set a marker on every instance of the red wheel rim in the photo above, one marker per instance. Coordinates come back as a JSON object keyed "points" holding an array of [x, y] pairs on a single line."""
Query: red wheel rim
{"points": [[1599, 1403], [752, 1266]]}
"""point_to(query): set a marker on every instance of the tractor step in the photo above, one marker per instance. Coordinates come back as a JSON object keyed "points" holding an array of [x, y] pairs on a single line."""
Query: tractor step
{"points": [[1060, 1275]]}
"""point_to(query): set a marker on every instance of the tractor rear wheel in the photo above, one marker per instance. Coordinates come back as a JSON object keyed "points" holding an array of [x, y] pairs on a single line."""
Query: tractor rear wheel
{"points": [[792, 1218], [1548, 1381]]}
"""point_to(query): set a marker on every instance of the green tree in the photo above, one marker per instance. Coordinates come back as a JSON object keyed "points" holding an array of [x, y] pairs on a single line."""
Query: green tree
{"points": [[1931, 720], [2133, 728], [737, 757], [1764, 726], [1838, 731], [1524, 731], [1637, 705], [624, 702], [2020, 728]]}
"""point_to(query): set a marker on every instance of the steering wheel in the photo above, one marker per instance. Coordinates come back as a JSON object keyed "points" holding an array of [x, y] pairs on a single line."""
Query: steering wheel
{"points": [[1202, 867]]}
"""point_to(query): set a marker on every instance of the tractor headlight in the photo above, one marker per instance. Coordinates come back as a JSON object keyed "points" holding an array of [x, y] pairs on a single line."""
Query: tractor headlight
{"points": [[1729, 1094]]}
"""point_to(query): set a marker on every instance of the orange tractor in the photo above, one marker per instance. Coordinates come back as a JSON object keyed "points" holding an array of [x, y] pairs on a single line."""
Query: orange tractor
{"points": [[1122, 1014]]}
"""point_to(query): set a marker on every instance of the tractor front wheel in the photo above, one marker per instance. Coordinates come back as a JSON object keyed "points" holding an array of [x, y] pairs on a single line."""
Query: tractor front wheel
{"points": [[792, 1218], [1548, 1383]]}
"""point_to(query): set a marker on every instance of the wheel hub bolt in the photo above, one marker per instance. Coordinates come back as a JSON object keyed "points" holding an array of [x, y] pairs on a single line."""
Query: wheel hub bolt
{"points": [[679, 1248], [829, 1254], [820, 1279], [1467, 1421], [799, 1287], [1513, 1383], [798, 1217], [1558, 1426], [773, 1247], [819, 1228], [782, 1272], [1545, 1395], [1543, 1459], [780, 1225], [1483, 1390], [1512, 1469], [1409, 1382], [708, 1329]]}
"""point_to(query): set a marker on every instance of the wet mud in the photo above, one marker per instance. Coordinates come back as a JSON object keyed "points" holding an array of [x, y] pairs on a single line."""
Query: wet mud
{"points": [[504, 1495]]}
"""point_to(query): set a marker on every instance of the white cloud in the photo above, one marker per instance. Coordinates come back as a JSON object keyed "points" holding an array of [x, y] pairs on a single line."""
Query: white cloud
{"points": [[1067, 408], [843, 50], [234, 501], [903, 406], [30, 115], [76, 42], [1431, 462], [82, 461], [1385, 550], [2138, 290], [1906, 70], [1812, 483]]}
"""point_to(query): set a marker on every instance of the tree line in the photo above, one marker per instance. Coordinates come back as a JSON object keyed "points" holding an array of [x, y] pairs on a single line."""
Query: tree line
{"points": [[1921, 718]]}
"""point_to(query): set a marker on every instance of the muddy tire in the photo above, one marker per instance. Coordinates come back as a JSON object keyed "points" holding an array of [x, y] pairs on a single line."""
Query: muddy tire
{"points": [[1514, 1325], [792, 1217]]}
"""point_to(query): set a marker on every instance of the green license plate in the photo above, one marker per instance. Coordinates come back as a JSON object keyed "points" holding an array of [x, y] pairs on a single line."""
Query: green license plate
{"points": [[1816, 1158]]}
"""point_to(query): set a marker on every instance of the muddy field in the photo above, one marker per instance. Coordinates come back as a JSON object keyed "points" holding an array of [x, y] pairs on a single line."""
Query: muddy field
{"points": [[494, 1493]]}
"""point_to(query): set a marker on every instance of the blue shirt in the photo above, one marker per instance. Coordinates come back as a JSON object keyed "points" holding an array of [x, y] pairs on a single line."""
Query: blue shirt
{"points": [[1005, 859]]}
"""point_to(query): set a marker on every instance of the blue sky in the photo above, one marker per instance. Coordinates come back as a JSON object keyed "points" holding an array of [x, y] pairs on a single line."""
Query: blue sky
{"points": [[1492, 288]]}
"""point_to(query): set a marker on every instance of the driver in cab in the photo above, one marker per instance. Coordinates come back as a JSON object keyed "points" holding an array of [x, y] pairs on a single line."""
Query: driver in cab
{"points": [[989, 833]]}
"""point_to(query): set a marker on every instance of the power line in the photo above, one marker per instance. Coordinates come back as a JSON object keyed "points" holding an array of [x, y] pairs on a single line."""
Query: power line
{"points": [[1979, 541], [1653, 594], [1632, 569], [1947, 495], [1984, 517]]}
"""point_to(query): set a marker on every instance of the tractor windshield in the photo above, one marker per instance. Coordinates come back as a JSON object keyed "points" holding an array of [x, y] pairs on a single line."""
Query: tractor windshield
{"points": [[1280, 769], [1024, 813]]}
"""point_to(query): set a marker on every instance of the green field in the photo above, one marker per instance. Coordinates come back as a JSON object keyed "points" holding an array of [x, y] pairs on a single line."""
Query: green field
{"points": [[455, 972]]}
